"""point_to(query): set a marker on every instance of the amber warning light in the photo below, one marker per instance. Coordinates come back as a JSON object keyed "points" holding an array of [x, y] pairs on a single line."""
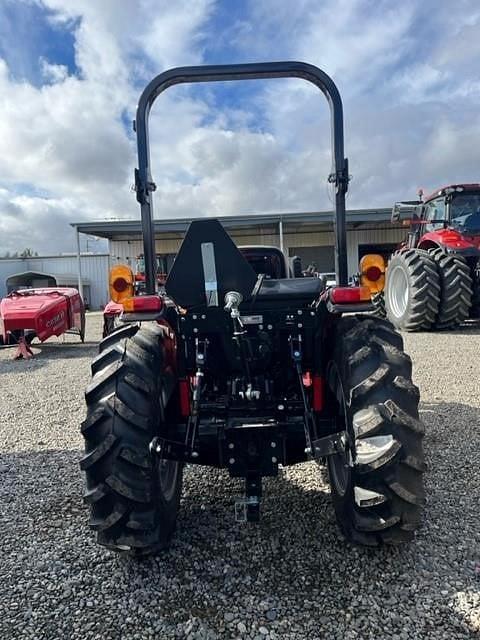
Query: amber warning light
{"points": [[121, 283], [372, 272]]}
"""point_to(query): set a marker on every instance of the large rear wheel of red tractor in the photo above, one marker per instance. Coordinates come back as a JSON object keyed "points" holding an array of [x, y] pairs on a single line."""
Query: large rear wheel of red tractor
{"points": [[377, 484], [412, 290], [475, 308], [134, 498], [455, 289]]}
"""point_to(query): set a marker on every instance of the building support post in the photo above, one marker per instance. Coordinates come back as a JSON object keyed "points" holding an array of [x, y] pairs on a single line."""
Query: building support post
{"points": [[79, 264]]}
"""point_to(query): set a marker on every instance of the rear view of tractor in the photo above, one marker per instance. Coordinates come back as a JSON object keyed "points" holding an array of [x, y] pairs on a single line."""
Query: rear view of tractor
{"points": [[248, 371], [433, 280]]}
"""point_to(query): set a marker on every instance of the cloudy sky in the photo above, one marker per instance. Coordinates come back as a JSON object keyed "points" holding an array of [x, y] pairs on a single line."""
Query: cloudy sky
{"points": [[71, 72]]}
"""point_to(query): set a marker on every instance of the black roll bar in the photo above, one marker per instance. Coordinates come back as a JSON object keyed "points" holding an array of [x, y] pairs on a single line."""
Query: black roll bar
{"points": [[144, 184]]}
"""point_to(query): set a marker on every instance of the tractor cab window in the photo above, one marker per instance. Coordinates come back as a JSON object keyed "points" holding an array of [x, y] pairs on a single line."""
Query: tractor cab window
{"points": [[435, 215], [465, 212]]}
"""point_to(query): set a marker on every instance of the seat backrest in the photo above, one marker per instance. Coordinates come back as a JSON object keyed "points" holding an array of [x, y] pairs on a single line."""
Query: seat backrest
{"points": [[266, 260], [301, 290]]}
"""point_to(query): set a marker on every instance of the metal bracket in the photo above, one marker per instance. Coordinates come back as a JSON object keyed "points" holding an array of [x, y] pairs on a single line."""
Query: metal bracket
{"points": [[340, 178], [296, 348], [309, 420], [247, 509], [171, 450], [201, 346], [329, 445], [142, 190], [201, 352]]}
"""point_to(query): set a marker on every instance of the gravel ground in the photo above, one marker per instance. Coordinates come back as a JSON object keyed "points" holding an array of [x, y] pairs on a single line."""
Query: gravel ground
{"points": [[289, 577]]}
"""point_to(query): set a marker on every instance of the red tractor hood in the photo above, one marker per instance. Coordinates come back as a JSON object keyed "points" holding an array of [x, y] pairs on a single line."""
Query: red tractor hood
{"points": [[452, 239]]}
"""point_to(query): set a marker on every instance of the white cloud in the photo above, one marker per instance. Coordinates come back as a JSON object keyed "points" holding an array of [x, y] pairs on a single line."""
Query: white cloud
{"points": [[410, 88], [53, 72], [67, 138]]}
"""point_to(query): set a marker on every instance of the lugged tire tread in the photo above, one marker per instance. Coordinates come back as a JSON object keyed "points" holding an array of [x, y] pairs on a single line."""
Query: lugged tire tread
{"points": [[386, 409], [475, 308], [119, 334], [122, 415], [378, 301], [424, 289], [93, 456], [456, 289]]}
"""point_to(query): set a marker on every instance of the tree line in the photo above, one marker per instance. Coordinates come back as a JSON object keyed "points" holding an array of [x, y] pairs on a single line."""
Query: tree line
{"points": [[26, 253]]}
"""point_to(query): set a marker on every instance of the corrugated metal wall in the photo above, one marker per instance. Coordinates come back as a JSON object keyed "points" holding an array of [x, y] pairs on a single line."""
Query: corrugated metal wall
{"points": [[94, 269], [311, 236], [8, 268]]}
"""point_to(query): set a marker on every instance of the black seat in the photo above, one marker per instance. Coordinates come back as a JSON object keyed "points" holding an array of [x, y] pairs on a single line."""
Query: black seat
{"points": [[303, 289]]}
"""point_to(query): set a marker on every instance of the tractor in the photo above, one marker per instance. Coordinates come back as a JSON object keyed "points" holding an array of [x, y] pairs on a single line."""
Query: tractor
{"points": [[248, 371], [433, 279]]}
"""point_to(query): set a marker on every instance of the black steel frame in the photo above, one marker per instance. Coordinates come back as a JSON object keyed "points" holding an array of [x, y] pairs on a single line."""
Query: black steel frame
{"points": [[220, 73]]}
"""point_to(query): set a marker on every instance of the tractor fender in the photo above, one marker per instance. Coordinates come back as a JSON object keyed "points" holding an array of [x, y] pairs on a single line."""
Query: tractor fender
{"points": [[113, 309], [451, 241]]}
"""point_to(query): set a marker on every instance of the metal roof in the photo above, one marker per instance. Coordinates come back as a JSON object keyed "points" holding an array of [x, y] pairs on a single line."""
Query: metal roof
{"points": [[127, 228], [60, 278]]}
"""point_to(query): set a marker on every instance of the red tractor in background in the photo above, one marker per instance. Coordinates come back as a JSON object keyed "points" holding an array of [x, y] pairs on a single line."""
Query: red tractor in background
{"points": [[433, 279]]}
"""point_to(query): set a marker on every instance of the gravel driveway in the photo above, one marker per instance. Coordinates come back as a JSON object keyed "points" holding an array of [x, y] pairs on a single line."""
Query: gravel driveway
{"points": [[289, 577]]}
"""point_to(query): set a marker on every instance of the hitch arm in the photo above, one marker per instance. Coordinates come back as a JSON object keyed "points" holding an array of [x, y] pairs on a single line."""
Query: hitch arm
{"points": [[192, 424], [309, 421]]}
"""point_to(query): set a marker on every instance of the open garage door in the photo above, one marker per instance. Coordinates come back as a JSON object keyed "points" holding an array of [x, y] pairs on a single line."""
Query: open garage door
{"points": [[322, 257]]}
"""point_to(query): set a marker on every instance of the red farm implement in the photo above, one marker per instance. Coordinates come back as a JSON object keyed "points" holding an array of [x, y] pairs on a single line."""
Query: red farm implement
{"points": [[40, 313]]}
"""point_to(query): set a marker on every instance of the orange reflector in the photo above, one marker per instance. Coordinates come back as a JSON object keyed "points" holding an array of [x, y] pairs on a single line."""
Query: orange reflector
{"points": [[372, 272], [120, 285], [349, 295], [135, 304], [120, 282]]}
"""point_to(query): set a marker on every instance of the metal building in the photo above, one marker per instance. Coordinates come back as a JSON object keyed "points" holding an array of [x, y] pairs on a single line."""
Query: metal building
{"points": [[61, 271], [308, 235]]}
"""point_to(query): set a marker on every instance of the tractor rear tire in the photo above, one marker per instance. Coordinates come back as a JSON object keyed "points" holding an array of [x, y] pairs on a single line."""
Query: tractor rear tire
{"points": [[455, 289], [475, 308], [134, 498], [109, 325], [378, 301], [412, 290], [377, 485]]}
